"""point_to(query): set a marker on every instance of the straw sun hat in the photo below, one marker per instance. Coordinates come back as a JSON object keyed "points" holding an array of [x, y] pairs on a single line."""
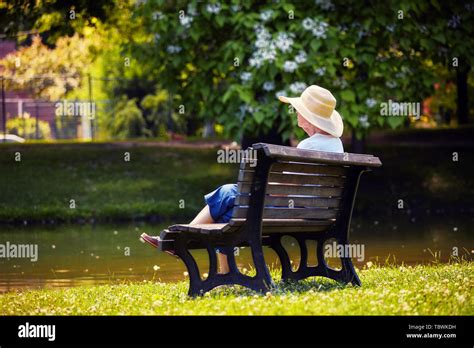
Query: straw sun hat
{"points": [[317, 106]]}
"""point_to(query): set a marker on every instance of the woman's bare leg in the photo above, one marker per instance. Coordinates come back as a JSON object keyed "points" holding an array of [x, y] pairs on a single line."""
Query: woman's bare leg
{"points": [[204, 217]]}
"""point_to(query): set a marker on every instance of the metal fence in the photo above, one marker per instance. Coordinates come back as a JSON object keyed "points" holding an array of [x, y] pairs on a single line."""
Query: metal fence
{"points": [[25, 116]]}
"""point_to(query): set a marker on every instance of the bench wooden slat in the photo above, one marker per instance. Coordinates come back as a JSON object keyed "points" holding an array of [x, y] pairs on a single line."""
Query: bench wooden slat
{"points": [[299, 167], [295, 190], [284, 222], [293, 178], [282, 213], [278, 201], [309, 168], [294, 154], [306, 179]]}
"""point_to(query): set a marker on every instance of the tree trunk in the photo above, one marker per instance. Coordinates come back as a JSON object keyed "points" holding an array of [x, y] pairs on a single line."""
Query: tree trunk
{"points": [[192, 125], [357, 145], [462, 94]]}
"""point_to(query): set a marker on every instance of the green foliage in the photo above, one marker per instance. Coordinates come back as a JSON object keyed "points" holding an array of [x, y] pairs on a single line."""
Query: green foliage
{"points": [[126, 120], [25, 127], [227, 61], [155, 113], [53, 18], [69, 58]]}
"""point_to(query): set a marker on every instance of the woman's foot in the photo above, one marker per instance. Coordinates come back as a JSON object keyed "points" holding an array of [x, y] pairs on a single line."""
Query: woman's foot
{"points": [[154, 242]]}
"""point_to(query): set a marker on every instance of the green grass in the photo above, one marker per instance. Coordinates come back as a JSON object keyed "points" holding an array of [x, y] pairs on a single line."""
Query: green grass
{"points": [[439, 289], [103, 186]]}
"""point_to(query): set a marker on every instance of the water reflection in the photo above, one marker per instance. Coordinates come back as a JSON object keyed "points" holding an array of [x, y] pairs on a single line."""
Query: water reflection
{"points": [[72, 255]]}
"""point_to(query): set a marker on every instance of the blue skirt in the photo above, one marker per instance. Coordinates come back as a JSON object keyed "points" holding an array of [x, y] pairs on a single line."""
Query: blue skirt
{"points": [[221, 203]]}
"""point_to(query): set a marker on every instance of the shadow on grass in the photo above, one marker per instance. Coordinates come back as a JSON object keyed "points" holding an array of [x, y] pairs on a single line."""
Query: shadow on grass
{"points": [[283, 287]]}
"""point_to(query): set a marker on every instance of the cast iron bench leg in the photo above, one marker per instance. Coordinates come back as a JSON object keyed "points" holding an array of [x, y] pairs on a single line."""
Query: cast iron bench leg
{"points": [[346, 275], [261, 282]]}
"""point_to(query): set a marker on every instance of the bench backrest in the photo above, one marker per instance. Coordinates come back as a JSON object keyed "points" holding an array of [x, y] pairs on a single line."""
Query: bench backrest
{"points": [[305, 190]]}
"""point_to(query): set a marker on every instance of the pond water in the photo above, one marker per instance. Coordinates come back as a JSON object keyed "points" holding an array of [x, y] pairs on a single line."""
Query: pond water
{"points": [[71, 255]]}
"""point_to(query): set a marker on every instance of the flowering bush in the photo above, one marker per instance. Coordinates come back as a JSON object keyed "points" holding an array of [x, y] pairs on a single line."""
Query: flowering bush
{"points": [[229, 62], [26, 127]]}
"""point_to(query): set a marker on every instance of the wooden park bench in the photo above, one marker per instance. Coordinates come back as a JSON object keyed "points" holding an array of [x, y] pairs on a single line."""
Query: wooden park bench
{"points": [[306, 194]]}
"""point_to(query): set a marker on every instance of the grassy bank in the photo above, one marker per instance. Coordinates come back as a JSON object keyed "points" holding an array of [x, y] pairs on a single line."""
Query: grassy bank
{"points": [[161, 183], [156, 182], [443, 289]]}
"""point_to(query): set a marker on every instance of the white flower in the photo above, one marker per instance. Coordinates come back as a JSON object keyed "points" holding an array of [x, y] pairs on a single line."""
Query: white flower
{"points": [[308, 23], [340, 82], [265, 47], [246, 76], [157, 37], [423, 29], [320, 29], [185, 21], [266, 15], [391, 84], [370, 102], [157, 15], [258, 28], [364, 121], [284, 41], [301, 57], [213, 8], [297, 87], [455, 21], [320, 71], [192, 10], [257, 59], [290, 66], [236, 8], [269, 86], [263, 34], [361, 34], [173, 49], [261, 43], [256, 62], [280, 93], [269, 54], [325, 4]]}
